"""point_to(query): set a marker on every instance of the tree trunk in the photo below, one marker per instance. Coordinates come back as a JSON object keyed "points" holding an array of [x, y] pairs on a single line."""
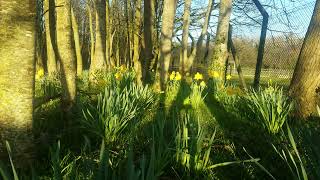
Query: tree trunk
{"points": [[17, 68], [49, 11], [108, 36], [76, 38], [99, 61], [65, 54], [220, 50], [236, 59], [169, 11], [91, 35], [305, 84], [149, 17], [136, 43], [185, 34]]}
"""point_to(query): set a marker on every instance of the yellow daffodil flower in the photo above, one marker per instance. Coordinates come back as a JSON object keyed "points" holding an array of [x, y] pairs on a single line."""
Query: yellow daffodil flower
{"points": [[216, 74], [198, 76], [172, 76], [122, 68], [117, 76], [228, 77], [203, 84], [178, 76], [40, 74]]}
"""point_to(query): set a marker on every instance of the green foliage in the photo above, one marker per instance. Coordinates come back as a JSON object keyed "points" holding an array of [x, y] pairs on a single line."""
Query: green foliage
{"points": [[116, 109], [292, 158], [270, 106]]}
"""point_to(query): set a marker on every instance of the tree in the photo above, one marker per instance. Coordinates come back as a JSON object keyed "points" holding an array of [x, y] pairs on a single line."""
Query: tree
{"points": [[65, 54], [49, 12], [99, 60], [220, 50], [76, 38], [169, 11], [17, 77], [185, 34], [149, 17], [136, 43], [305, 84]]}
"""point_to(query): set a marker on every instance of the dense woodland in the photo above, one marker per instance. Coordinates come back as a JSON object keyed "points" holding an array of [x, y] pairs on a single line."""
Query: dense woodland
{"points": [[140, 89]]}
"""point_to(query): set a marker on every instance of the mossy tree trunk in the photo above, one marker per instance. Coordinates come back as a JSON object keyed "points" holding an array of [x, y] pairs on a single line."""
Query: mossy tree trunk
{"points": [[76, 38], [305, 84], [136, 42], [185, 35], [17, 67], [220, 50], [149, 17], [49, 12], [169, 11], [65, 54]]}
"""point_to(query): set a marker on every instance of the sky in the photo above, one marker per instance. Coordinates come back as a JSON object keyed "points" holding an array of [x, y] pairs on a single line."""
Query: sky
{"points": [[289, 16]]}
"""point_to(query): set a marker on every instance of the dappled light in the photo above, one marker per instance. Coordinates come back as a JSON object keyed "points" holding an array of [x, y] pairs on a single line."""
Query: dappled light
{"points": [[159, 89]]}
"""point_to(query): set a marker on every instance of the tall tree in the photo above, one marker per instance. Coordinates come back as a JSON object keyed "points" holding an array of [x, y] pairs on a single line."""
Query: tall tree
{"points": [[136, 43], [168, 15], [49, 12], [76, 38], [149, 17], [99, 62], [185, 34], [17, 31], [305, 84], [220, 50], [65, 54]]}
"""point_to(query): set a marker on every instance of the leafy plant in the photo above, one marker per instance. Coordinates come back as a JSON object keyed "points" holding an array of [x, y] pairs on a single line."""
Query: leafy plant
{"points": [[270, 106]]}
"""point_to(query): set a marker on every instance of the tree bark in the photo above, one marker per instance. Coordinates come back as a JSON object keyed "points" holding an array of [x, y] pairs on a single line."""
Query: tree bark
{"points": [[169, 11], [76, 38], [220, 50], [305, 84], [185, 35], [91, 35], [136, 42], [65, 54], [17, 67], [149, 17], [99, 61], [49, 11]]}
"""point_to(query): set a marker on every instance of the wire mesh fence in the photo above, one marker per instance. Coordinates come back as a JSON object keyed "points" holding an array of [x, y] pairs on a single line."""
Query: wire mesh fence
{"points": [[286, 31]]}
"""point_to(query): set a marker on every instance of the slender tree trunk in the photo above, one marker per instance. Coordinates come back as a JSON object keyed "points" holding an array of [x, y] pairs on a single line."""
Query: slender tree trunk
{"points": [[305, 84], [185, 34], [108, 35], [49, 18], [17, 67], [76, 38], [169, 11], [220, 50], [99, 62], [136, 42], [236, 59], [65, 54], [149, 17], [91, 36]]}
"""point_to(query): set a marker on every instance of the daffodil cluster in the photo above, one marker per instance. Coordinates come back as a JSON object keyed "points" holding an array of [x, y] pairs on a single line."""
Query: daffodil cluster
{"points": [[175, 76], [198, 77], [39, 74], [120, 72]]}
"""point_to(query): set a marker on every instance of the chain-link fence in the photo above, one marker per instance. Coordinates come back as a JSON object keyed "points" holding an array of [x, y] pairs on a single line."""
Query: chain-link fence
{"points": [[286, 31]]}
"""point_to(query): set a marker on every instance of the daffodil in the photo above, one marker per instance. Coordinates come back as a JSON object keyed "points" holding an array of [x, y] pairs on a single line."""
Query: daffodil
{"points": [[122, 68], [40, 74], [117, 76], [172, 76], [178, 76], [198, 76], [216, 74], [228, 77], [203, 84]]}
